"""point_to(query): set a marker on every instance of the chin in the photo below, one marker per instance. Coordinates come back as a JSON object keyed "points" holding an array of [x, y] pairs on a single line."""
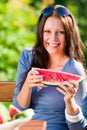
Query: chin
{"points": [[52, 52]]}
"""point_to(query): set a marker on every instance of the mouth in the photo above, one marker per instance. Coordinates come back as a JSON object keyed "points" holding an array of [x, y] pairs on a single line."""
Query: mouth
{"points": [[53, 45]]}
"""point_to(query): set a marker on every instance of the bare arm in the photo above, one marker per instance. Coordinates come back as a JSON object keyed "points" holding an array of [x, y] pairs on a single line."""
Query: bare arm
{"points": [[69, 91], [32, 80]]}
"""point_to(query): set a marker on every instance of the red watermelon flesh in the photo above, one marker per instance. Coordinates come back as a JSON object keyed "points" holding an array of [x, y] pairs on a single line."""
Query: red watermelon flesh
{"points": [[54, 78], [1, 120], [13, 111]]}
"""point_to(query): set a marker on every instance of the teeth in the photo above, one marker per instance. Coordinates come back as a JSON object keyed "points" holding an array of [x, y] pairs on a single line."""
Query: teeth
{"points": [[53, 45]]}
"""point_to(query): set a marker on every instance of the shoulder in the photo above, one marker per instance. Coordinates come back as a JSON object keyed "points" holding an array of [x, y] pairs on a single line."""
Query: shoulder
{"points": [[26, 57], [77, 67], [26, 54]]}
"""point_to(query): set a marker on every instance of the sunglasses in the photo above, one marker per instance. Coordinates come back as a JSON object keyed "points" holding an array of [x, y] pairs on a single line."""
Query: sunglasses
{"points": [[61, 10]]}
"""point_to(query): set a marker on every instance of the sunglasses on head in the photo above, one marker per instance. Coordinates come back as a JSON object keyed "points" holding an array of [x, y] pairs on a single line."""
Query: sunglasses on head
{"points": [[61, 10]]}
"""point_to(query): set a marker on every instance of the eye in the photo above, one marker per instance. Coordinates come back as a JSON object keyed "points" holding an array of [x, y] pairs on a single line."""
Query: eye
{"points": [[62, 32], [46, 31]]}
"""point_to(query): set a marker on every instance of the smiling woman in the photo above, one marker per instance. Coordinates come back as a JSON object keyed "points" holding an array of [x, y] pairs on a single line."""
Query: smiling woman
{"points": [[54, 36], [58, 47]]}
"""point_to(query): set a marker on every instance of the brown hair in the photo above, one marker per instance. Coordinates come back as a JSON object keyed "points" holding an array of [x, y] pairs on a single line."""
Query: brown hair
{"points": [[73, 46]]}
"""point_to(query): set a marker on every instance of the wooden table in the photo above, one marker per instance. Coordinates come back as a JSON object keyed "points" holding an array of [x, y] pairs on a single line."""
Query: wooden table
{"points": [[33, 125]]}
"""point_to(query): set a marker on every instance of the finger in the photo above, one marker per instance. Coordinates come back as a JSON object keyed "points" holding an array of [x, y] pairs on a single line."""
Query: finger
{"points": [[67, 84], [38, 78], [33, 72], [32, 76], [38, 85], [72, 90], [68, 87], [75, 83], [62, 87], [61, 90]]}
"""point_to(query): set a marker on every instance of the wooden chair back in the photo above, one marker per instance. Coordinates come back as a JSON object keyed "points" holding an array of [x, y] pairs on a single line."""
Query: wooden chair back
{"points": [[6, 91]]}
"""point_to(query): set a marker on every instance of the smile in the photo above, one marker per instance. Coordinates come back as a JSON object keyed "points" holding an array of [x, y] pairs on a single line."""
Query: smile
{"points": [[53, 45]]}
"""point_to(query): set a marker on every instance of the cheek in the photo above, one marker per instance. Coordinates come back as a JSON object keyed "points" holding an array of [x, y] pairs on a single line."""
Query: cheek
{"points": [[45, 37], [63, 39]]}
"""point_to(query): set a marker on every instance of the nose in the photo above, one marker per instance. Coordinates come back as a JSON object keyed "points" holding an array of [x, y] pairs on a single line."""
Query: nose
{"points": [[54, 36]]}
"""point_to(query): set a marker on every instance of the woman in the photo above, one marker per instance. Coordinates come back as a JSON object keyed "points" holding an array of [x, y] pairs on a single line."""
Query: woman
{"points": [[58, 47]]}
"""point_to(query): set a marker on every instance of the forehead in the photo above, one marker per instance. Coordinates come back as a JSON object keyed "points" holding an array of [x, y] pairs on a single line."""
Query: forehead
{"points": [[53, 22]]}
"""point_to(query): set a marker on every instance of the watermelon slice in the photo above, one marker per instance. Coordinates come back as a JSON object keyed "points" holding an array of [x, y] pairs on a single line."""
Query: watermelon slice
{"points": [[54, 78], [4, 114], [13, 111], [26, 113]]}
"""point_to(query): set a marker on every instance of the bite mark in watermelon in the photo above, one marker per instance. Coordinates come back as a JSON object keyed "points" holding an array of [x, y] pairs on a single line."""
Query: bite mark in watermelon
{"points": [[54, 78]]}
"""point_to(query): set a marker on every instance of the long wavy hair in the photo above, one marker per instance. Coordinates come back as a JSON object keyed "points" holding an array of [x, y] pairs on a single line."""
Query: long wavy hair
{"points": [[73, 47]]}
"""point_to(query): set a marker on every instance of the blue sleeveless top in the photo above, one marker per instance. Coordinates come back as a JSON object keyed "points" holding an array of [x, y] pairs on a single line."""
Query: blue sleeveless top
{"points": [[48, 103]]}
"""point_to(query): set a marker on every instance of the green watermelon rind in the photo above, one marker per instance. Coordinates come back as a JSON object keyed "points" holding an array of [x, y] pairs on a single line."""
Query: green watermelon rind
{"points": [[50, 84], [26, 113]]}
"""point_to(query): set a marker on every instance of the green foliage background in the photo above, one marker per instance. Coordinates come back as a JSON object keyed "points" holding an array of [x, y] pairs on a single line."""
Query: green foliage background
{"points": [[18, 20], [17, 31]]}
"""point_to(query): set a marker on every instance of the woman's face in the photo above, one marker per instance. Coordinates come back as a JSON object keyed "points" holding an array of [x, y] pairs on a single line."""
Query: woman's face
{"points": [[54, 36]]}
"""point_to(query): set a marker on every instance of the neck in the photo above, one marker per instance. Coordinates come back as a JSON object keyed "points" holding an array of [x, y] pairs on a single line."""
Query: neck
{"points": [[57, 62]]}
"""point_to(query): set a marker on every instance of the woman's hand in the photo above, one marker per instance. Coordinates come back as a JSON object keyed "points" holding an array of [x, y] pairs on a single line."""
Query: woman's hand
{"points": [[34, 79], [69, 89]]}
